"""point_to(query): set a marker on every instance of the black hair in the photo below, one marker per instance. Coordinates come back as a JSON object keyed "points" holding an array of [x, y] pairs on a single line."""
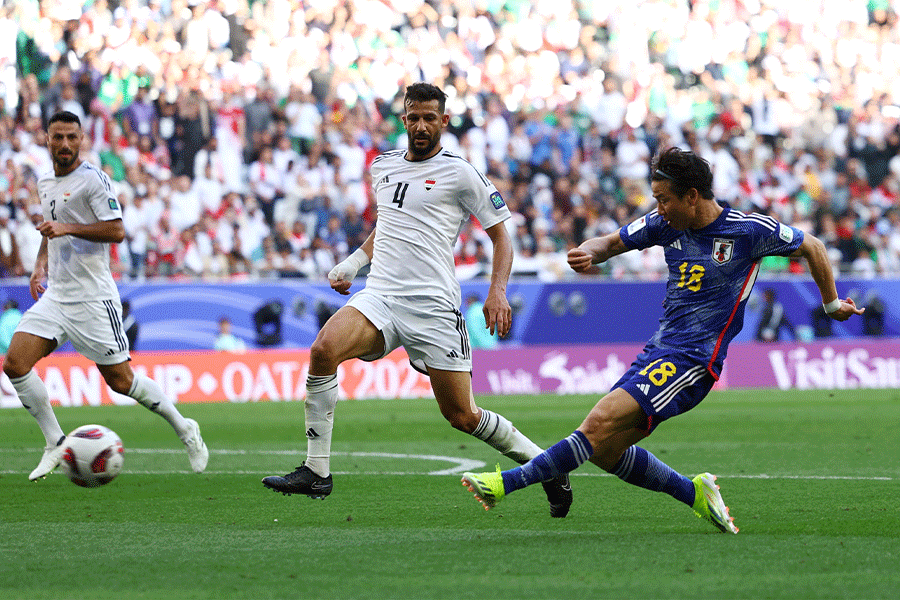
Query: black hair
{"points": [[685, 170], [64, 116], [423, 92]]}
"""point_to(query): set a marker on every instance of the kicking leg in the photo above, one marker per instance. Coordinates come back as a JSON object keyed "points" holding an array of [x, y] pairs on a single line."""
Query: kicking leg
{"points": [[614, 413], [453, 392]]}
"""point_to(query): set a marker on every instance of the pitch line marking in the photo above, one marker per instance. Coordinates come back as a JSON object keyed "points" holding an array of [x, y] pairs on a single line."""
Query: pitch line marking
{"points": [[460, 465]]}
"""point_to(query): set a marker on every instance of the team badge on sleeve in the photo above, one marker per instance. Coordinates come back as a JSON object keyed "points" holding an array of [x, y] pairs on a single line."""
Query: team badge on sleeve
{"points": [[637, 225], [113, 204], [785, 233], [722, 250], [497, 200]]}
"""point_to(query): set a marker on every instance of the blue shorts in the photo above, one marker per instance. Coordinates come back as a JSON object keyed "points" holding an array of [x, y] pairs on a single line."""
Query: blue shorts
{"points": [[665, 383]]}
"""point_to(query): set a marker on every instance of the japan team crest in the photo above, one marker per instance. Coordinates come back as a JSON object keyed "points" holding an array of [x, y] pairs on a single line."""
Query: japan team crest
{"points": [[723, 250]]}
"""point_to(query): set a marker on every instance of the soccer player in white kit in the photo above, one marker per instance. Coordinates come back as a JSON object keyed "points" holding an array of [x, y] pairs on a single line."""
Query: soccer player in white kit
{"points": [[424, 195], [80, 302]]}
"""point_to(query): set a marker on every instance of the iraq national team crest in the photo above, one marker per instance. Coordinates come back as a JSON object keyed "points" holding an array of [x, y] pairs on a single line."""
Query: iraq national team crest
{"points": [[723, 250], [429, 183]]}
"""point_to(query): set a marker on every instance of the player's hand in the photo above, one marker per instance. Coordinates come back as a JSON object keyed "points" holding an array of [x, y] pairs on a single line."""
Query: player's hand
{"points": [[341, 277], [52, 229], [497, 314], [36, 283], [581, 261], [848, 309], [341, 286]]}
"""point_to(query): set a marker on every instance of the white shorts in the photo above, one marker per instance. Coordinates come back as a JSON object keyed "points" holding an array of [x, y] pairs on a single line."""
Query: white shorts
{"points": [[433, 332], [94, 327]]}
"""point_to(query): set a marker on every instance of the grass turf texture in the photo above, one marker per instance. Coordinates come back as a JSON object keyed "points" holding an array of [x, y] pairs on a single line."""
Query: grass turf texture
{"points": [[811, 478]]}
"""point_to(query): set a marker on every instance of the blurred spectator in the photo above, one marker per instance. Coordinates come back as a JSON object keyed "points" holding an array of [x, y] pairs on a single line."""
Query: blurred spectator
{"points": [[130, 325], [479, 335], [140, 116], [266, 183], [9, 319], [772, 319], [10, 261], [260, 120], [139, 223], [227, 341], [796, 107], [350, 165], [165, 243], [185, 205], [873, 318], [194, 127], [304, 119]]}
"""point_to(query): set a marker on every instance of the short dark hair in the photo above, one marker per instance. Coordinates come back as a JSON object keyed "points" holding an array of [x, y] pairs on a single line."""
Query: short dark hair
{"points": [[685, 170], [64, 116], [423, 92]]}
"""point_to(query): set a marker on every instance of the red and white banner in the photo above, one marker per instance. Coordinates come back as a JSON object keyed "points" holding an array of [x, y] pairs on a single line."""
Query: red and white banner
{"points": [[268, 375], [276, 375]]}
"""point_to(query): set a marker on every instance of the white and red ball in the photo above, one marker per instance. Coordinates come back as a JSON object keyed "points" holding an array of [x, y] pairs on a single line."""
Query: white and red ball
{"points": [[92, 456]]}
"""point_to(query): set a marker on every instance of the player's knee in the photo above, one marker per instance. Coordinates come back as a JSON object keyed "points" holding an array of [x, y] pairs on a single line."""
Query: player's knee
{"points": [[120, 384], [15, 368], [323, 353], [464, 421], [598, 424]]}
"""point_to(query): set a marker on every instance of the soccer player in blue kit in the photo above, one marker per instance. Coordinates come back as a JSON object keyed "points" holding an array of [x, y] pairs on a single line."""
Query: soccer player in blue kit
{"points": [[713, 254]]}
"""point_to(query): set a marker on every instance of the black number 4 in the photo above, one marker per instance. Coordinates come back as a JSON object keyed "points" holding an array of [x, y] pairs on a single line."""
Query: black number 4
{"points": [[400, 194]]}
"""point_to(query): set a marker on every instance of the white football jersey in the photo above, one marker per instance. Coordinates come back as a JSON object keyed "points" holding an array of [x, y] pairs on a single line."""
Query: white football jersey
{"points": [[422, 206], [78, 269]]}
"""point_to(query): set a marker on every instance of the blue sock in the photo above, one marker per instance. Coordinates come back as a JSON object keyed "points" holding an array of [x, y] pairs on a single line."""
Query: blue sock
{"points": [[564, 456], [639, 467]]}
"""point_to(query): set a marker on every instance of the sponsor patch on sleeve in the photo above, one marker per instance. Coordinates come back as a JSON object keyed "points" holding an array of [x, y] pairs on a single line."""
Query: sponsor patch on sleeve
{"points": [[785, 233], [113, 204], [497, 200], [637, 225]]}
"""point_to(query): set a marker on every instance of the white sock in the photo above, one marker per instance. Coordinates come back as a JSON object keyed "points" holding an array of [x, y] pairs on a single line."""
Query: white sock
{"points": [[321, 398], [498, 432], [33, 396], [149, 394]]}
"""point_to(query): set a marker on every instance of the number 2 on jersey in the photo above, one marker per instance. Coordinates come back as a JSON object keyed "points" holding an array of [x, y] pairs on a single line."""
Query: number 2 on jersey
{"points": [[400, 194]]}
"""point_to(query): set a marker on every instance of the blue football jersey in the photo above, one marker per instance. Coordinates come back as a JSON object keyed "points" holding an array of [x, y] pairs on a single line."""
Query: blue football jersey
{"points": [[711, 273]]}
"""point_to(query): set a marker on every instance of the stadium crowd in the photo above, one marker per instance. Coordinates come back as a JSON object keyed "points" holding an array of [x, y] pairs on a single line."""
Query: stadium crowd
{"points": [[238, 133]]}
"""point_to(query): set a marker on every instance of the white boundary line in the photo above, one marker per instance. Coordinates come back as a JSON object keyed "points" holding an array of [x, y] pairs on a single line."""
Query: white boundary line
{"points": [[460, 465]]}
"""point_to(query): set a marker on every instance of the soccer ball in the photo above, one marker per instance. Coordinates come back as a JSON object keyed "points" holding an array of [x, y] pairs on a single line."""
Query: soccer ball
{"points": [[92, 456]]}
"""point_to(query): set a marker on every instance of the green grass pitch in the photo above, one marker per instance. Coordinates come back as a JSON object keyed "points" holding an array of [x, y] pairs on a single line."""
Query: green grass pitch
{"points": [[812, 479]]}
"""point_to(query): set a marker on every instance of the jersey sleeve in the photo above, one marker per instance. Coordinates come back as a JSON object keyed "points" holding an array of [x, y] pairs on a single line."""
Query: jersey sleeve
{"points": [[649, 230], [772, 238], [480, 197], [102, 198]]}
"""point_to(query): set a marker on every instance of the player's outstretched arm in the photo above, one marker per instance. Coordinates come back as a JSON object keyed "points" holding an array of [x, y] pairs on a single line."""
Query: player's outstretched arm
{"points": [[595, 251], [497, 312], [813, 250], [342, 275]]}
